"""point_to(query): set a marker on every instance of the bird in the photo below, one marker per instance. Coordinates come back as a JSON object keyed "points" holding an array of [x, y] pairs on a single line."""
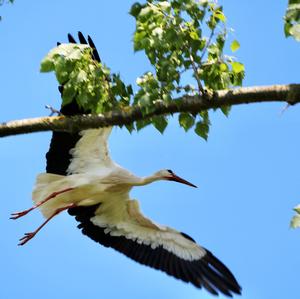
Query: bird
{"points": [[82, 178]]}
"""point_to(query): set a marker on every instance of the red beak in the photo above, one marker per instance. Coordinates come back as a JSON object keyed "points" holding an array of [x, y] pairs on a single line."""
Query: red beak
{"points": [[178, 179]]}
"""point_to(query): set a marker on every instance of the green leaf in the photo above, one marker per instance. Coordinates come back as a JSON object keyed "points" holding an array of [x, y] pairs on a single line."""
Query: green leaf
{"points": [[135, 9], [129, 89], [47, 66], [225, 110], [237, 67], [202, 129], [235, 45], [62, 69], [287, 28], [160, 123], [140, 124], [297, 209], [220, 15], [223, 67], [194, 35], [186, 121], [69, 93], [145, 11], [82, 76], [130, 127]]}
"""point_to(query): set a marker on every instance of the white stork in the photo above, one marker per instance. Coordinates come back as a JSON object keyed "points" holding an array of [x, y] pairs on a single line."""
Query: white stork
{"points": [[82, 178]]}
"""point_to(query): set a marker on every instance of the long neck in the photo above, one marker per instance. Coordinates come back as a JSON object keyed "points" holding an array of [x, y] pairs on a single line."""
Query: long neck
{"points": [[148, 180]]}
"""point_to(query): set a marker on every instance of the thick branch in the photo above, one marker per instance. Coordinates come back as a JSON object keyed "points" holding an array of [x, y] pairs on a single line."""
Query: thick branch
{"points": [[275, 93]]}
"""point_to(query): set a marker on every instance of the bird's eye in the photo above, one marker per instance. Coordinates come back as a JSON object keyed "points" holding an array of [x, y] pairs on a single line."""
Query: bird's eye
{"points": [[170, 171]]}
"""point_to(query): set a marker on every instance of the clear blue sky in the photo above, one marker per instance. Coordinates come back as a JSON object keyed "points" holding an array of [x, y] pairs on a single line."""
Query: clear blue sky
{"points": [[247, 172]]}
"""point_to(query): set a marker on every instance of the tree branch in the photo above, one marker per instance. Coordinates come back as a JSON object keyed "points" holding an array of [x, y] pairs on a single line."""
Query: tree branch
{"points": [[276, 93]]}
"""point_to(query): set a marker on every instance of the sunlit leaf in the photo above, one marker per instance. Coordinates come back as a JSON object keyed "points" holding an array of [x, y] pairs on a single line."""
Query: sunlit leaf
{"points": [[295, 222], [295, 31], [220, 15], [237, 67], [235, 45]]}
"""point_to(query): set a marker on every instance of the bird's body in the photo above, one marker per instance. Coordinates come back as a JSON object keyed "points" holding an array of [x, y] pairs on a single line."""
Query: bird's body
{"points": [[82, 178], [94, 179]]}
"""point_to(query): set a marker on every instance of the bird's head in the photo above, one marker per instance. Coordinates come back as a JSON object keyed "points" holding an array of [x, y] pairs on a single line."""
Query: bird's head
{"points": [[167, 174]]}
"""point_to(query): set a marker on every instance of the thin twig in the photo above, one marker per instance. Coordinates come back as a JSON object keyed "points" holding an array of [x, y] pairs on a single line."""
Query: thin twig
{"points": [[207, 44], [53, 110], [200, 87]]}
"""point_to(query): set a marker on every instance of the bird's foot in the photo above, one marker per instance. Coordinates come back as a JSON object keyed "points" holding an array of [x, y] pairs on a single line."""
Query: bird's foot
{"points": [[17, 215], [29, 236], [26, 238]]}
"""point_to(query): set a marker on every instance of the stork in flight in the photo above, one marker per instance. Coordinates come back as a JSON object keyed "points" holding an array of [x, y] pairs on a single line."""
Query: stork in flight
{"points": [[81, 178]]}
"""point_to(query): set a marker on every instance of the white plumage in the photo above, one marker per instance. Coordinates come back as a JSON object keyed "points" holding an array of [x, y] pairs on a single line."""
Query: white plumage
{"points": [[89, 157], [124, 218]]}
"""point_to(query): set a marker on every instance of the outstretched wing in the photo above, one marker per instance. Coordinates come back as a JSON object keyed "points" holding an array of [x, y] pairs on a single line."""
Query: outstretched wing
{"points": [[122, 226], [90, 154], [82, 152]]}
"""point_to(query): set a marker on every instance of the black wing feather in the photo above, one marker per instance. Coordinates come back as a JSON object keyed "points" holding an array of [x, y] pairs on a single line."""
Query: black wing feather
{"points": [[96, 55], [71, 39], [82, 39], [58, 157]]}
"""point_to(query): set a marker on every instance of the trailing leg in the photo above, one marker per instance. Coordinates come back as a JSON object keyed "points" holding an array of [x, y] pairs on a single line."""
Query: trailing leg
{"points": [[17, 215], [28, 236]]}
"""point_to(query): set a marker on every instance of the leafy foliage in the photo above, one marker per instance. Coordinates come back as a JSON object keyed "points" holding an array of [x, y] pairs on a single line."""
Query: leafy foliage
{"points": [[86, 80], [292, 20], [173, 36], [171, 33]]}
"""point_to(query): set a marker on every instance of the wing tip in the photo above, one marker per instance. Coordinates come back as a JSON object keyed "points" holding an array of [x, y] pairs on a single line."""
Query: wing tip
{"points": [[221, 273]]}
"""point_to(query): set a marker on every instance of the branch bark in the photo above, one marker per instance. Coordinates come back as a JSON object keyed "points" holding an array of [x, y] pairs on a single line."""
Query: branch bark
{"points": [[275, 93]]}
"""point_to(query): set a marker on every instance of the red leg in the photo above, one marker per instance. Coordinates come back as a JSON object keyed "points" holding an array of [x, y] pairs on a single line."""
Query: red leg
{"points": [[28, 236], [17, 215]]}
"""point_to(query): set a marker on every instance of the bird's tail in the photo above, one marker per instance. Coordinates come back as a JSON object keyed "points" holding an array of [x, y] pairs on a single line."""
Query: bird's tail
{"points": [[42, 189]]}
